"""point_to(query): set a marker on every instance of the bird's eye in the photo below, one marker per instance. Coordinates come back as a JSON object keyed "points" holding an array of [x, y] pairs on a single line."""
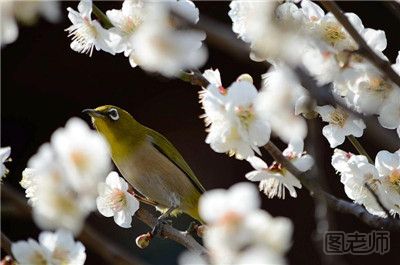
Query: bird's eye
{"points": [[113, 114]]}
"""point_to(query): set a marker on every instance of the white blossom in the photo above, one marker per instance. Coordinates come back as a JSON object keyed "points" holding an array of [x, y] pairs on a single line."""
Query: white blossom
{"points": [[125, 21], [53, 248], [29, 183], [160, 48], [235, 124], [61, 179], [146, 32], [278, 100], [87, 33], [388, 166], [26, 12], [30, 252], [269, 27], [238, 232], [115, 200], [341, 124], [275, 178], [382, 178], [5, 153], [83, 154]]}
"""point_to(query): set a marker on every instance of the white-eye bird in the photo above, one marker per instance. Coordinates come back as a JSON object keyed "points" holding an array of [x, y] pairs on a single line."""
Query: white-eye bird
{"points": [[148, 161]]}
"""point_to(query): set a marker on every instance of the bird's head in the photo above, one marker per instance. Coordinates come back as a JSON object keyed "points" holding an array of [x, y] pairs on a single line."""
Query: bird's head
{"points": [[115, 124]]}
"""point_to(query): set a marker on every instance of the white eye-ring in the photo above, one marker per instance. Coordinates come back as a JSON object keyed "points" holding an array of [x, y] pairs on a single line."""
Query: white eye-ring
{"points": [[113, 114]]}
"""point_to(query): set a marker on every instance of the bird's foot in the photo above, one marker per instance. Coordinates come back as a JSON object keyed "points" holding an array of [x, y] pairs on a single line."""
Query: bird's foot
{"points": [[195, 228], [158, 227]]}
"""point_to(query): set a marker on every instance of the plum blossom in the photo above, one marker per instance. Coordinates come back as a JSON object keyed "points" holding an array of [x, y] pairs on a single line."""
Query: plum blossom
{"points": [[275, 178], [146, 32], [356, 171], [328, 56], [125, 21], [269, 27], [53, 248], [30, 252], [388, 166], [238, 232], [5, 153], [26, 12], [382, 178], [235, 124], [341, 124], [29, 183], [86, 33], [61, 179], [281, 100], [115, 200]]}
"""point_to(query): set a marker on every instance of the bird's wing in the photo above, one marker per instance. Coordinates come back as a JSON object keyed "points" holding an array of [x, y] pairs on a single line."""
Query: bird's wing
{"points": [[166, 148]]}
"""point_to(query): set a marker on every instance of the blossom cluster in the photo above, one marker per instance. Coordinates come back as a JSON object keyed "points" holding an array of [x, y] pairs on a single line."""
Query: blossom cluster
{"points": [[62, 177], [144, 31], [53, 248], [239, 120], [383, 179], [330, 55], [238, 232], [26, 12]]}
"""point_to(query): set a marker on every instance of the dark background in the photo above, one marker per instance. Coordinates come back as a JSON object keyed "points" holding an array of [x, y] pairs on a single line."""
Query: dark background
{"points": [[44, 83]]}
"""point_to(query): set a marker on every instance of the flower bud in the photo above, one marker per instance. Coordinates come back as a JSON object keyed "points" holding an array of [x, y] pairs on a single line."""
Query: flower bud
{"points": [[200, 230], [245, 77], [143, 240]]}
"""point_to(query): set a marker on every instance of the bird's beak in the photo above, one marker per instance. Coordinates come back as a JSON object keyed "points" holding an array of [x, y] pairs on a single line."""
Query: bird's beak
{"points": [[92, 113]]}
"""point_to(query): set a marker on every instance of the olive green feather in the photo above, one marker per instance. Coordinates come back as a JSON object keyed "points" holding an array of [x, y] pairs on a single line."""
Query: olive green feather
{"points": [[166, 147]]}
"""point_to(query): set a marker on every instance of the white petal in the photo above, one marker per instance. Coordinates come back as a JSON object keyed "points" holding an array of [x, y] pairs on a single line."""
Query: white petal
{"points": [[122, 219], [257, 162]]}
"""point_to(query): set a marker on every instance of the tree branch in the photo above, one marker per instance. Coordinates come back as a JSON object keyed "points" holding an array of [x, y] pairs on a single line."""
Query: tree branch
{"points": [[333, 202], [6, 243], [169, 232], [363, 48]]}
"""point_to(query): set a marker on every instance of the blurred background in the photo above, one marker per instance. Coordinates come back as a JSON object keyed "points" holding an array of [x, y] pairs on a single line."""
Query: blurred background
{"points": [[44, 83]]}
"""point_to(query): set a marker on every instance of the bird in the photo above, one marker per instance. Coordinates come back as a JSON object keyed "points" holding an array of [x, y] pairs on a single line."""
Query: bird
{"points": [[149, 162]]}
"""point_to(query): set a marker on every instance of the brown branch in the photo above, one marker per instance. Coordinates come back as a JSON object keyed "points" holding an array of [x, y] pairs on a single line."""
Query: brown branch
{"points": [[363, 48], [5, 243], [167, 231], [333, 202]]}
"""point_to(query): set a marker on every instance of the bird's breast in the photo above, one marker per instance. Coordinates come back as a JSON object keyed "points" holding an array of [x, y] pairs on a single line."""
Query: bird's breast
{"points": [[156, 177]]}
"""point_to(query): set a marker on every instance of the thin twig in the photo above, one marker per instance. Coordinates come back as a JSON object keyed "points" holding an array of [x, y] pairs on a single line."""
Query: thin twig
{"points": [[5, 243], [377, 199], [360, 149], [363, 48], [105, 22]]}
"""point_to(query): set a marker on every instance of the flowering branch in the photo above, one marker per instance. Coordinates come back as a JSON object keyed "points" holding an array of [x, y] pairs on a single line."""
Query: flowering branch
{"points": [[102, 246], [333, 202], [339, 205], [363, 49]]}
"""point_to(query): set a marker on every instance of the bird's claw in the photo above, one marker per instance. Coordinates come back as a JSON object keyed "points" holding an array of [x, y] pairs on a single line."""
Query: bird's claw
{"points": [[157, 229]]}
